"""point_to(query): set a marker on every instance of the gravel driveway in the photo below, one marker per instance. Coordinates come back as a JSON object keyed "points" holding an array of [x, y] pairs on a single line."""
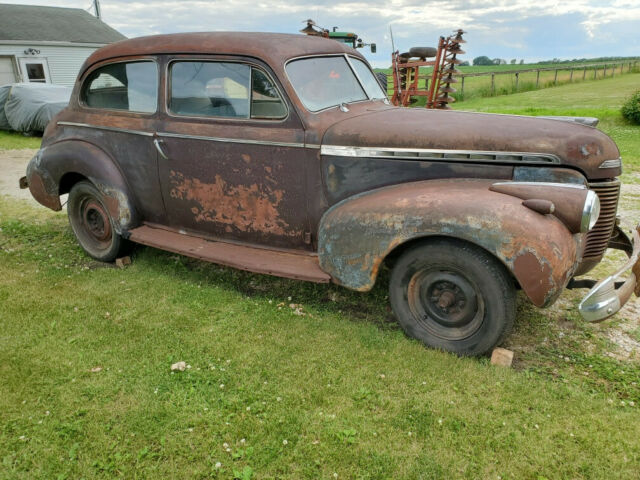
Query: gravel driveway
{"points": [[13, 165]]}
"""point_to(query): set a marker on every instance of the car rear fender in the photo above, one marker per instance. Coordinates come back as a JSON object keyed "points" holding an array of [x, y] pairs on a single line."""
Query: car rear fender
{"points": [[357, 234], [52, 164]]}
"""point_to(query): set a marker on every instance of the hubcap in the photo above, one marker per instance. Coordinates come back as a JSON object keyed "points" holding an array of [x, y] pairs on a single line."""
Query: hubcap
{"points": [[96, 221], [445, 303]]}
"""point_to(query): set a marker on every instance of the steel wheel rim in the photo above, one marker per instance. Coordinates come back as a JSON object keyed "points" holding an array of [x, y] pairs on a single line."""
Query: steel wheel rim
{"points": [[95, 222], [445, 302]]}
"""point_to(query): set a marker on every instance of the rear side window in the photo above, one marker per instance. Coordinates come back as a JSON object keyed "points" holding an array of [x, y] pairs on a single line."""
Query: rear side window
{"points": [[131, 86], [223, 89]]}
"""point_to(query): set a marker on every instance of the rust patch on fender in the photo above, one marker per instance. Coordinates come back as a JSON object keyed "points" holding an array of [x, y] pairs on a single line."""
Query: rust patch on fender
{"points": [[247, 208], [40, 193], [536, 277]]}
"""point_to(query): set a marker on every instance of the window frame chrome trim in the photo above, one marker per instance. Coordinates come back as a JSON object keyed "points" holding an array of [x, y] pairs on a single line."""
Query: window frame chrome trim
{"points": [[209, 59], [343, 54], [88, 72]]}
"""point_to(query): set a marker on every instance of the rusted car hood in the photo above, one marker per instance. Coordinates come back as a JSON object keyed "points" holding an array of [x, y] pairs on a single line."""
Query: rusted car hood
{"points": [[576, 145]]}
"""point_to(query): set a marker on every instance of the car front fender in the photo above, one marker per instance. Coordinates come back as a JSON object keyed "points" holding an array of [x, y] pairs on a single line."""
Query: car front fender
{"points": [[46, 171], [357, 234]]}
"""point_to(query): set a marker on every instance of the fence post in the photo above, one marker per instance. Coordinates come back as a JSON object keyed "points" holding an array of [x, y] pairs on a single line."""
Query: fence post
{"points": [[517, 78], [537, 78], [555, 78], [462, 87], [571, 76], [605, 71], [493, 84]]}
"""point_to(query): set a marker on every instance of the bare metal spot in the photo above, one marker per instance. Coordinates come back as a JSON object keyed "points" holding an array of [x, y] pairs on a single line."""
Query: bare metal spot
{"points": [[248, 208]]}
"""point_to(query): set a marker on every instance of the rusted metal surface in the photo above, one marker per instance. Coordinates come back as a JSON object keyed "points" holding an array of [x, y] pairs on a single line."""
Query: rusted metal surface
{"points": [[46, 174], [456, 130], [257, 183], [344, 176], [358, 233], [568, 201], [243, 257]]}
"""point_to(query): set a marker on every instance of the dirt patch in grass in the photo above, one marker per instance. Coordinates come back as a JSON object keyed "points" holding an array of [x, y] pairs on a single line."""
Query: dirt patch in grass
{"points": [[13, 165]]}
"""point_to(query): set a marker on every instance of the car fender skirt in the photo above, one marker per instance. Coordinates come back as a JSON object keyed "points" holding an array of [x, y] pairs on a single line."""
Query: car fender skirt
{"points": [[46, 170], [357, 234]]}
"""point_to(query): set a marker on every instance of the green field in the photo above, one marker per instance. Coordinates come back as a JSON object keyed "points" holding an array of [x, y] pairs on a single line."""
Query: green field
{"points": [[475, 87], [291, 380]]}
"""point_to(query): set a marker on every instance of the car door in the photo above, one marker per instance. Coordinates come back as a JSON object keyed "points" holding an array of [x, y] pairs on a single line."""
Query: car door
{"points": [[232, 154], [118, 113]]}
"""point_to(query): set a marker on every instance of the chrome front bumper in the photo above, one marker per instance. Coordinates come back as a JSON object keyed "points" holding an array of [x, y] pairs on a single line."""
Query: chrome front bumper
{"points": [[604, 299]]}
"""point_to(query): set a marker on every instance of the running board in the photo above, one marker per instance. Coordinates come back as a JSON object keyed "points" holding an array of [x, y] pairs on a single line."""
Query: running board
{"points": [[258, 260]]}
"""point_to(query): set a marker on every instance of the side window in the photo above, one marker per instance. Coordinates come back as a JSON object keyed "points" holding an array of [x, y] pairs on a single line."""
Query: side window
{"points": [[131, 86], [265, 99], [210, 89], [223, 89]]}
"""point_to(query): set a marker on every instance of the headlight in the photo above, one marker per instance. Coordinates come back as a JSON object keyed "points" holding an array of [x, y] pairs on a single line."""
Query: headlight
{"points": [[590, 212]]}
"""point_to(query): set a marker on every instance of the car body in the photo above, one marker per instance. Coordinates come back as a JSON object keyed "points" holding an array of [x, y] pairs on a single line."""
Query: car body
{"points": [[276, 154]]}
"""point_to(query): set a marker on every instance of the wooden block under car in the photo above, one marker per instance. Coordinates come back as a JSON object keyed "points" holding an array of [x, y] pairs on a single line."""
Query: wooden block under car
{"points": [[502, 357], [123, 262]]}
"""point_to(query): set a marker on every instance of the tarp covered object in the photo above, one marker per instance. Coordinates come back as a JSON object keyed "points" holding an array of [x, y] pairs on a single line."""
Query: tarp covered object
{"points": [[28, 107]]}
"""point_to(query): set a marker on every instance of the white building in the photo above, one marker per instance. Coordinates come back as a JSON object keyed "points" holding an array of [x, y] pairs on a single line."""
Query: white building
{"points": [[48, 44]]}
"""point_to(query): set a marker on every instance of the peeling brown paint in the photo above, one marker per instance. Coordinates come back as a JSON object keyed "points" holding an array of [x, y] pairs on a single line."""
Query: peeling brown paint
{"points": [[247, 208], [358, 233]]}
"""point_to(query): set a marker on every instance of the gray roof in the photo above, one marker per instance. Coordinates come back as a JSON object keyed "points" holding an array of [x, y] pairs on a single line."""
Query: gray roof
{"points": [[33, 23]]}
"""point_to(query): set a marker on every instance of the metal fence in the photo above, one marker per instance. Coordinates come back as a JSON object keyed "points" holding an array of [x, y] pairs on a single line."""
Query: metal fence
{"points": [[586, 71], [604, 67]]}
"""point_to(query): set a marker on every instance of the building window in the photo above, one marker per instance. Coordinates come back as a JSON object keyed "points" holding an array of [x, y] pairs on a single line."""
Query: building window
{"points": [[34, 70]]}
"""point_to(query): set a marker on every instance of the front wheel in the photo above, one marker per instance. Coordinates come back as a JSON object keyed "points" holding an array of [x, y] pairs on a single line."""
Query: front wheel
{"points": [[453, 296], [92, 224]]}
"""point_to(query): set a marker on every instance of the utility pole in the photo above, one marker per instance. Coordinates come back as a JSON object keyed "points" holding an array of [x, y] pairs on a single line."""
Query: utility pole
{"points": [[96, 6]]}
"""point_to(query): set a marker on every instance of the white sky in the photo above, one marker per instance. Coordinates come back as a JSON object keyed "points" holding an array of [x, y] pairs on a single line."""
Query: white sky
{"points": [[533, 30]]}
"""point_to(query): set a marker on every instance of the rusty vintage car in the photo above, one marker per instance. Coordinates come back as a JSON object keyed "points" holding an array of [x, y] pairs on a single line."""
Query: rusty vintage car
{"points": [[282, 155]]}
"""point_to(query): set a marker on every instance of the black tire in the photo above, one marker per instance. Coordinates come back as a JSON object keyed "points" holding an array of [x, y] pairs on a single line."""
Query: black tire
{"points": [[92, 224], [453, 296], [423, 52]]}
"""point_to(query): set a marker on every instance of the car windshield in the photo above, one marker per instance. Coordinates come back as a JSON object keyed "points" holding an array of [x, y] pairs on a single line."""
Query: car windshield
{"points": [[323, 82]]}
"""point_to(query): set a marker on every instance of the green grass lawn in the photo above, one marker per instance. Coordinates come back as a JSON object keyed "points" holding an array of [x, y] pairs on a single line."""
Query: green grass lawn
{"points": [[14, 140], [505, 84], [602, 99], [339, 390], [87, 391]]}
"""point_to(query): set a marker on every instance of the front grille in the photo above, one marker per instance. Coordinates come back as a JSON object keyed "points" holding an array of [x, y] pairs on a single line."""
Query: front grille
{"points": [[598, 236]]}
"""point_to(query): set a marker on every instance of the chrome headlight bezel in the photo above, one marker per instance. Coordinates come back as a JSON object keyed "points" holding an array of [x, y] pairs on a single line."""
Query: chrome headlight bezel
{"points": [[590, 211]]}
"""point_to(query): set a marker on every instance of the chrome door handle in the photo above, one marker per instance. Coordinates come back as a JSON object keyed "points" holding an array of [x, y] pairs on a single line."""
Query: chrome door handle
{"points": [[156, 142]]}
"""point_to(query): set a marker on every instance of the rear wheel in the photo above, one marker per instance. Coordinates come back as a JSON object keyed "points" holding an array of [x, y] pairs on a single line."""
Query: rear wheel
{"points": [[92, 224], [453, 296]]}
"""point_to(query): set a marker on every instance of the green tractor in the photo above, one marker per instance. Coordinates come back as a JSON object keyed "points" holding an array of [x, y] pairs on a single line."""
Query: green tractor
{"points": [[348, 38]]}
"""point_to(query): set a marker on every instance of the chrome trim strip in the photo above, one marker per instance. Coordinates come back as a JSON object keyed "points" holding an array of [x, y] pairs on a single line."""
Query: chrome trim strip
{"points": [[110, 129], [441, 155], [613, 163], [545, 184], [232, 140]]}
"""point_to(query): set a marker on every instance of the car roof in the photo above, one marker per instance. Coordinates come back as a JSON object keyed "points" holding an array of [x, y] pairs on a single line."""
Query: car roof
{"points": [[273, 48]]}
